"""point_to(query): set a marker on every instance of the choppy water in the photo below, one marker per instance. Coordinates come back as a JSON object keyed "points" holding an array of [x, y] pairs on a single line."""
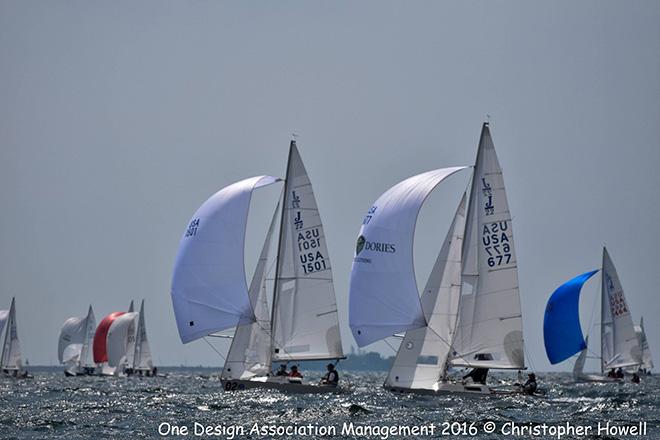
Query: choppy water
{"points": [[53, 406]]}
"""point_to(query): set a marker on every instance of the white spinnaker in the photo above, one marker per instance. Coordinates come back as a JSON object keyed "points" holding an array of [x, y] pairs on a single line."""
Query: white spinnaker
{"points": [[489, 332], [384, 298], [647, 359], [305, 323], [251, 347], [209, 289], [142, 359], [421, 359], [72, 338], [11, 349], [86, 353], [120, 341], [619, 344]]}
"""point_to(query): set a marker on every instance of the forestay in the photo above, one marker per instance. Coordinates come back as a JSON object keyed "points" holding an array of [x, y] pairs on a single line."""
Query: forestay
{"points": [[619, 344], [305, 323], [121, 340], [489, 333], [562, 333], [250, 351], [209, 289], [421, 359], [384, 298]]}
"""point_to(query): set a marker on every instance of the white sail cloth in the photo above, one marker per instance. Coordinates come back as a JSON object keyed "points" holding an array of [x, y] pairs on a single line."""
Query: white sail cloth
{"points": [[384, 298], [619, 343], [72, 337], [209, 289], [489, 332], [142, 358], [647, 359], [250, 351], [120, 342], [10, 357], [305, 322], [421, 359]]}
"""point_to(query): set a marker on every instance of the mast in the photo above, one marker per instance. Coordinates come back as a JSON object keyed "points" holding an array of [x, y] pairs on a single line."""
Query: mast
{"points": [[280, 239]]}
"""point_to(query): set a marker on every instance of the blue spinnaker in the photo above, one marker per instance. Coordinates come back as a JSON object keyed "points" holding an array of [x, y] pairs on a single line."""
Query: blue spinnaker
{"points": [[562, 333]]}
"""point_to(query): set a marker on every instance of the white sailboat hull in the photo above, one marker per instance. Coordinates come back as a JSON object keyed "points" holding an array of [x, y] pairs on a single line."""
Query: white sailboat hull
{"points": [[477, 390], [275, 383], [596, 378]]}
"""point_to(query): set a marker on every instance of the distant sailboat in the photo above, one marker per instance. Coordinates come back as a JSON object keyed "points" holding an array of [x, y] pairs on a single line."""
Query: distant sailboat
{"points": [[127, 346], [10, 356], [210, 293], [100, 345], [469, 313], [620, 347], [647, 359], [75, 345]]}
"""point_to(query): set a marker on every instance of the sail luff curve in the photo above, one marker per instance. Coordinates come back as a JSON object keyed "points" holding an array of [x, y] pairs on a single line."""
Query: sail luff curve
{"points": [[209, 287], [384, 298]]}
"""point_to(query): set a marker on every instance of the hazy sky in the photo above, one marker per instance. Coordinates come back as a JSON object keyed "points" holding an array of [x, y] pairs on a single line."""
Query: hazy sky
{"points": [[118, 119]]}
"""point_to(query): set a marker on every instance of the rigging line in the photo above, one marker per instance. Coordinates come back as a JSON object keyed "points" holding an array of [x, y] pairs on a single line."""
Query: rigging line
{"points": [[390, 345], [214, 349], [451, 348]]}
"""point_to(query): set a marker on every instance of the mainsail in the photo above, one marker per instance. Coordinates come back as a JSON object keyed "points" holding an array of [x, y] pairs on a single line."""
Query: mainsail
{"points": [[421, 359], [489, 332], [562, 333], [142, 358], [619, 343], [384, 298], [209, 289], [305, 324], [250, 351], [10, 358]]}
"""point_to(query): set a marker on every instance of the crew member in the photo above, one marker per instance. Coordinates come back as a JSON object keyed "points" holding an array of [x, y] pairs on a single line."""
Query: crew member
{"points": [[330, 378]]}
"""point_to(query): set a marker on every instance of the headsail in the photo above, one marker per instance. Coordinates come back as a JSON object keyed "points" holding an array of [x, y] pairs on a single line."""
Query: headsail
{"points": [[11, 348], [142, 359], [305, 325], [489, 333], [619, 344], [209, 289], [250, 351], [562, 333], [384, 298], [100, 346], [72, 338], [121, 340], [421, 359], [578, 367]]}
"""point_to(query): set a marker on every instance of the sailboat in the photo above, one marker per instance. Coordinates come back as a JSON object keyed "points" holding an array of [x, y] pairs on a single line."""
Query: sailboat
{"points": [[469, 312], [647, 359], [10, 356], [74, 349], [620, 347], [100, 345], [128, 346], [210, 293]]}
